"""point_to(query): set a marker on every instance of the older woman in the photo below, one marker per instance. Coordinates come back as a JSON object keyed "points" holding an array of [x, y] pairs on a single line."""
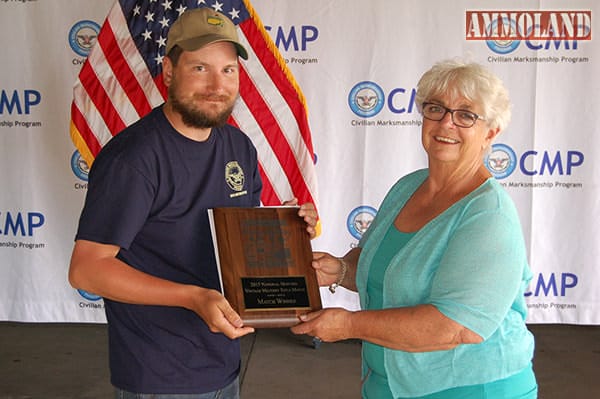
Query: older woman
{"points": [[442, 270]]}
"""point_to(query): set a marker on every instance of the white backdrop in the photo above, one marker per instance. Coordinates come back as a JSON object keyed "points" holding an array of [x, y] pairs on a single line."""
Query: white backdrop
{"points": [[338, 50]]}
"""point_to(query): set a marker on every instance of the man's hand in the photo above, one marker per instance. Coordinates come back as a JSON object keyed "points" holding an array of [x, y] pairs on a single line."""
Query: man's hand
{"points": [[218, 314], [308, 213]]}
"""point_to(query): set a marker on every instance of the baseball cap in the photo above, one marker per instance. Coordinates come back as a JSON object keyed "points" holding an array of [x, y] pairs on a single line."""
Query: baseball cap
{"points": [[198, 27]]}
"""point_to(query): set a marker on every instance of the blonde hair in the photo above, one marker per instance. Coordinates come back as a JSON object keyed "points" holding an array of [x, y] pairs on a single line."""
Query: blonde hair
{"points": [[469, 80]]}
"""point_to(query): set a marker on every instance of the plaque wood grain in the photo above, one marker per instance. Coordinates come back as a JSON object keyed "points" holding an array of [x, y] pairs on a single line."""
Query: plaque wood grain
{"points": [[265, 256]]}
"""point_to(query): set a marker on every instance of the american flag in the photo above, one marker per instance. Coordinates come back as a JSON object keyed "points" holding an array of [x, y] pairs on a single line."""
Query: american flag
{"points": [[121, 81]]}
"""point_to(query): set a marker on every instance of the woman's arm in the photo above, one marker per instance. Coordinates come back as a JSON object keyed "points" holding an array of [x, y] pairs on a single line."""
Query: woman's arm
{"points": [[420, 328]]}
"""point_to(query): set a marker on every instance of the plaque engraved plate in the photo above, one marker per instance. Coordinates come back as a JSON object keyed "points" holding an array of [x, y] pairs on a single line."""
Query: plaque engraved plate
{"points": [[275, 292], [264, 256]]}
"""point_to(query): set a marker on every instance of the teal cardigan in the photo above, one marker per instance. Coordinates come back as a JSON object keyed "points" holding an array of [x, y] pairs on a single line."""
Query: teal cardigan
{"points": [[470, 262]]}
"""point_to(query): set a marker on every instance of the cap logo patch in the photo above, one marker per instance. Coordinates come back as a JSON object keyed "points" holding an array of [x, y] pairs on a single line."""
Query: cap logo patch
{"points": [[216, 21]]}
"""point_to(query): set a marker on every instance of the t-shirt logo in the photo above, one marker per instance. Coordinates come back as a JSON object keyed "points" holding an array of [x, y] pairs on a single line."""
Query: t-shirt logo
{"points": [[234, 176]]}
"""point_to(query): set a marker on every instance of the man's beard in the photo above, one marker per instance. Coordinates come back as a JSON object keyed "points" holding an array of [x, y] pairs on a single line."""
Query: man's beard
{"points": [[193, 117]]}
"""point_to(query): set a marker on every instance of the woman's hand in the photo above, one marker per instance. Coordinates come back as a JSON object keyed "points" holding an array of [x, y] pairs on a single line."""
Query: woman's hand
{"points": [[328, 325], [328, 268]]}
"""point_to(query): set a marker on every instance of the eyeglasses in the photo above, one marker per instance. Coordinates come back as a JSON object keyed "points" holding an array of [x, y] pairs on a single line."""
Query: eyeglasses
{"points": [[460, 117]]}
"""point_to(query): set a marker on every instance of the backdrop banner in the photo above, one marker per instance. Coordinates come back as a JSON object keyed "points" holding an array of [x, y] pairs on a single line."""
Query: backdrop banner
{"points": [[358, 68]]}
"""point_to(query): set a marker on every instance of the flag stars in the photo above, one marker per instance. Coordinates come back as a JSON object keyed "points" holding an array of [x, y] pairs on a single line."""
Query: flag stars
{"points": [[234, 14], [162, 42], [164, 22], [149, 16], [181, 9], [218, 6], [150, 19]]}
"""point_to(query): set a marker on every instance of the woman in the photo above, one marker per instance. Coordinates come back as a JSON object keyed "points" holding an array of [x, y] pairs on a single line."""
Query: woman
{"points": [[442, 270]]}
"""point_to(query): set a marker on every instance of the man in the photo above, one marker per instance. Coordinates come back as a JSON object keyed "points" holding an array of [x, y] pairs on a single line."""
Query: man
{"points": [[144, 241]]}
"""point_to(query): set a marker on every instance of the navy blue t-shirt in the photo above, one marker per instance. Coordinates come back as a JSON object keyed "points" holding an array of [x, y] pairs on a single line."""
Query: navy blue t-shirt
{"points": [[148, 192]]}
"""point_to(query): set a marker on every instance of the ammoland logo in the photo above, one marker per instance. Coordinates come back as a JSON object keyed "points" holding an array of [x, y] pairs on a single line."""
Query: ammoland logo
{"points": [[528, 25]]}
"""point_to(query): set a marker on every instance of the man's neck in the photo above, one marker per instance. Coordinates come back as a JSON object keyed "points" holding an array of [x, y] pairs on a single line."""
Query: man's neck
{"points": [[193, 133]]}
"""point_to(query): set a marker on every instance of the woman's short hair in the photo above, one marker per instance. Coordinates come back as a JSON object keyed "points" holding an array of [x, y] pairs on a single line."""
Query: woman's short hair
{"points": [[469, 80]]}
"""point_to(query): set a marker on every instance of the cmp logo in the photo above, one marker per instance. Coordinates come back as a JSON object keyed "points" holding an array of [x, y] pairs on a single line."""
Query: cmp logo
{"points": [[366, 99], [82, 37], [296, 38], [89, 296], [359, 220], [501, 161], [79, 166]]}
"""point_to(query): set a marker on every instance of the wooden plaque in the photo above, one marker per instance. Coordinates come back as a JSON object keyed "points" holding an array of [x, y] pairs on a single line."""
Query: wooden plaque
{"points": [[264, 256]]}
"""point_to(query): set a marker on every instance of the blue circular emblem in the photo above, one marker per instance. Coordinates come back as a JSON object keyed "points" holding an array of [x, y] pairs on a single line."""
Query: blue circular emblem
{"points": [[502, 46], [89, 296], [82, 37], [359, 220], [366, 99], [501, 161], [79, 166]]}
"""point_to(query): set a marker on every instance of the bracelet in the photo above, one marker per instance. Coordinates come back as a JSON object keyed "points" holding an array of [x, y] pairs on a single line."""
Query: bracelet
{"points": [[344, 266]]}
